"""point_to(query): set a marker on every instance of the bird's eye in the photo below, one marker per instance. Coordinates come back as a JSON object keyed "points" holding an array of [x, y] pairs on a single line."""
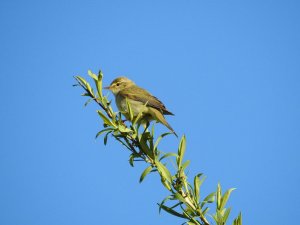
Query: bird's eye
{"points": [[118, 84]]}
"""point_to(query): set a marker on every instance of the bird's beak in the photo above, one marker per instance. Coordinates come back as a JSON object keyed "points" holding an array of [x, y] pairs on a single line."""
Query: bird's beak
{"points": [[108, 87]]}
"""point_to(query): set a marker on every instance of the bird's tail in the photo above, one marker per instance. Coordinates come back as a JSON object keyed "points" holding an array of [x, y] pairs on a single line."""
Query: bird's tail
{"points": [[160, 118]]}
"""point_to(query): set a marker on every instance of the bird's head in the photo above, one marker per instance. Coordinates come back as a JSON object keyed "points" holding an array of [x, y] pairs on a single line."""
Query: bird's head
{"points": [[119, 84]]}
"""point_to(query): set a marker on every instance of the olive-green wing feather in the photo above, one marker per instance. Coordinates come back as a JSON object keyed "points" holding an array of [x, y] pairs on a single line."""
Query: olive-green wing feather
{"points": [[138, 94]]}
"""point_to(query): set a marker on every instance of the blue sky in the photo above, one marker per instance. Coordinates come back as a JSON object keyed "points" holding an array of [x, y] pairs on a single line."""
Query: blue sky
{"points": [[228, 70]]}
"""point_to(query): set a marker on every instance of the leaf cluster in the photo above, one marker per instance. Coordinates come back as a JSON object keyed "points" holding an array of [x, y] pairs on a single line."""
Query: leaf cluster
{"points": [[185, 199]]}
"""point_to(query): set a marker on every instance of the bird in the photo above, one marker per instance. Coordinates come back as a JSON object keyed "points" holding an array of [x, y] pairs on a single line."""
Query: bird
{"points": [[140, 100]]}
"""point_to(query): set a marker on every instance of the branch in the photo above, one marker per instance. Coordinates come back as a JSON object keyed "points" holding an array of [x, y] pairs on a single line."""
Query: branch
{"points": [[184, 197]]}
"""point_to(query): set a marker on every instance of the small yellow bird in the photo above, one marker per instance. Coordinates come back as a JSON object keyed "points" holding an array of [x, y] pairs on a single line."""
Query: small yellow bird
{"points": [[139, 100]]}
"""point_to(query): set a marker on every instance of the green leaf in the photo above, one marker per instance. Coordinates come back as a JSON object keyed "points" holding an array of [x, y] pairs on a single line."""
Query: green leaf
{"points": [[84, 83], [131, 160], [165, 173], [87, 102], [238, 220], [123, 129], [218, 218], [168, 155], [173, 212], [152, 129], [99, 84], [205, 211], [155, 153], [192, 223], [219, 196], [181, 150], [226, 197], [130, 112], [81, 81], [105, 119], [105, 137], [197, 184], [185, 164], [102, 131], [144, 146], [144, 174], [165, 183], [132, 157], [226, 214], [176, 205], [90, 73], [118, 137], [179, 197], [208, 199], [159, 139], [105, 102], [85, 94], [188, 213], [163, 202], [100, 75], [197, 187]]}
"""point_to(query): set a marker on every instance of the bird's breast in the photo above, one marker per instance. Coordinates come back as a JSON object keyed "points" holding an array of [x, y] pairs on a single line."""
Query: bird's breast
{"points": [[136, 106]]}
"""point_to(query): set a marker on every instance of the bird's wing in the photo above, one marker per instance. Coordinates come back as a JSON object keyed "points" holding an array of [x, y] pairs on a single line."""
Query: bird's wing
{"points": [[138, 94]]}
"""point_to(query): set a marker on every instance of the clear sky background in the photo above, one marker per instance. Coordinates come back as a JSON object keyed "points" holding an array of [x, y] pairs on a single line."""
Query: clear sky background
{"points": [[229, 71]]}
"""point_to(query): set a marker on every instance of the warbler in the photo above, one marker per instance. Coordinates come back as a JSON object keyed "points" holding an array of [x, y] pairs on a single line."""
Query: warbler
{"points": [[139, 100]]}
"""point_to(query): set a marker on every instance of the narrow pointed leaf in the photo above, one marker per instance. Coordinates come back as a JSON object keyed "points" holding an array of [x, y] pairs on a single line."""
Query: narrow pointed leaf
{"points": [[226, 197], [89, 88], [130, 112], [160, 138], [181, 150], [121, 141], [150, 140], [186, 164], [105, 119], [105, 137], [152, 129], [87, 102], [92, 75], [105, 102], [192, 223], [100, 75], [165, 173], [219, 196], [165, 183], [208, 199], [176, 205], [240, 219], [84, 83], [197, 187], [144, 174], [99, 85], [163, 202], [168, 155], [144, 146], [173, 212], [226, 214], [81, 80], [123, 129], [205, 211], [102, 131], [218, 218], [85, 94], [179, 197], [131, 160]]}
